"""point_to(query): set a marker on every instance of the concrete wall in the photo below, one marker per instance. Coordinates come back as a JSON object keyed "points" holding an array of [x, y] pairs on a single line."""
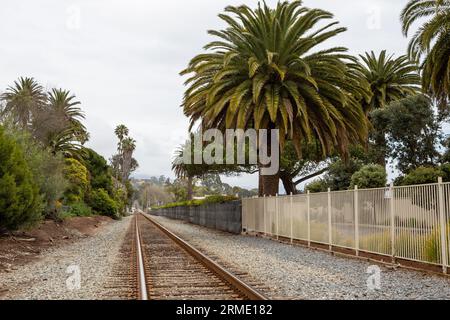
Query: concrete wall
{"points": [[220, 216]]}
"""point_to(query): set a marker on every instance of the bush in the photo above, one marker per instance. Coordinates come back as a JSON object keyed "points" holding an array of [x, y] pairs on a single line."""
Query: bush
{"points": [[99, 171], [445, 169], [103, 204], [369, 176], [77, 175], [422, 175], [46, 168], [79, 209], [219, 199], [196, 203], [20, 202], [317, 186], [433, 245]]}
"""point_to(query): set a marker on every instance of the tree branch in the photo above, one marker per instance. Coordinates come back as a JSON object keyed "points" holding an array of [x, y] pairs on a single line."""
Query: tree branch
{"points": [[315, 174]]}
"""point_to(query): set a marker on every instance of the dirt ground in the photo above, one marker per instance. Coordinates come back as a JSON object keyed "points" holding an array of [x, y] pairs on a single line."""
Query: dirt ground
{"points": [[23, 247]]}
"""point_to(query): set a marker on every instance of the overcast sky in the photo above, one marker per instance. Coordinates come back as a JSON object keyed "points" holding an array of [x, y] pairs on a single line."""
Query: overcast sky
{"points": [[122, 58]]}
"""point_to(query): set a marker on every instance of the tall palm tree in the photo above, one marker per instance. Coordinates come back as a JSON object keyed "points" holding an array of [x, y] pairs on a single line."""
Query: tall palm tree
{"points": [[184, 171], [432, 43], [64, 106], [121, 132], [266, 72], [128, 147], [390, 79], [22, 100]]}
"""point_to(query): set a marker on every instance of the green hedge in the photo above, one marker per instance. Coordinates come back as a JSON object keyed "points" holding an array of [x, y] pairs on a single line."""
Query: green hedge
{"points": [[197, 203]]}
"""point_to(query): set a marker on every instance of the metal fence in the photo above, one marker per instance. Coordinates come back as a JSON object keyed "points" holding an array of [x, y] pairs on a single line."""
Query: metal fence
{"points": [[410, 222]]}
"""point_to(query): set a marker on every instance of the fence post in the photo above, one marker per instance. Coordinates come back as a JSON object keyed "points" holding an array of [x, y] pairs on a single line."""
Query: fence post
{"points": [[391, 189], [264, 214], [356, 204], [308, 215], [443, 225], [276, 207], [292, 214], [244, 217], [330, 236]]}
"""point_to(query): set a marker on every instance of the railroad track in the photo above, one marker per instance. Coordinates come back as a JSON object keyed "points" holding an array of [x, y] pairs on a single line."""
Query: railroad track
{"points": [[165, 267]]}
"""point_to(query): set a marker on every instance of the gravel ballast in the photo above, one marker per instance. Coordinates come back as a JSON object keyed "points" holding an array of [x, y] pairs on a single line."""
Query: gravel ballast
{"points": [[54, 275], [295, 272]]}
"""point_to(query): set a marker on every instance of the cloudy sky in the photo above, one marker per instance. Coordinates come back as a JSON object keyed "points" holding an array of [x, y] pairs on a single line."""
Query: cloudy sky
{"points": [[122, 58]]}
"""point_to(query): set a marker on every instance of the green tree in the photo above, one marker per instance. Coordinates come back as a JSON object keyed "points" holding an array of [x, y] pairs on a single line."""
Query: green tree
{"points": [[432, 43], [421, 175], [390, 79], [99, 172], [266, 72], [47, 170], [412, 132], [339, 175], [294, 171], [23, 100], [369, 176], [20, 202], [77, 175]]}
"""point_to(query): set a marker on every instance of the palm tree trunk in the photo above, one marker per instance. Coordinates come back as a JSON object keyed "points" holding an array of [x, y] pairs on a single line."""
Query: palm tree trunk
{"points": [[190, 188], [269, 183]]}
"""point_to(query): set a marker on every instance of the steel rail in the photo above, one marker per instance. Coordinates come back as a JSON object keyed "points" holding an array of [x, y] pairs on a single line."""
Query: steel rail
{"points": [[143, 295], [225, 275]]}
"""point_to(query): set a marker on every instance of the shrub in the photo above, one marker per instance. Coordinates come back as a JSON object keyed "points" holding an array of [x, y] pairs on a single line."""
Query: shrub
{"points": [[77, 175], [103, 204], [20, 202], [196, 203], [445, 169], [422, 175], [219, 199], [47, 169], [79, 209], [317, 186], [433, 245], [369, 176]]}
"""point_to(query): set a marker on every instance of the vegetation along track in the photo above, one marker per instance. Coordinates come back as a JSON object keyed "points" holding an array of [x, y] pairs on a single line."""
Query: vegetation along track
{"points": [[166, 267]]}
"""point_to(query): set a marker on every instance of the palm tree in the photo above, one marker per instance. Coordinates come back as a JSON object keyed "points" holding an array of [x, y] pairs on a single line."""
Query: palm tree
{"points": [[121, 132], [22, 100], [184, 171], [432, 42], [265, 72], [390, 79], [63, 105], [64, 143], [128, 147]]}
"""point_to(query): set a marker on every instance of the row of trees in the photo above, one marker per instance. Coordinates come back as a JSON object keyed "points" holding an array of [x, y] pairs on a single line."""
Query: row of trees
{"points": [[336, 113], [45, 169], [159, 191]]}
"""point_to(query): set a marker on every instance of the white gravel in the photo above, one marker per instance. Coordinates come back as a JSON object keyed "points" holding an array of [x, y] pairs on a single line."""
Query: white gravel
{"points": [[54, 275], [296, 272]]}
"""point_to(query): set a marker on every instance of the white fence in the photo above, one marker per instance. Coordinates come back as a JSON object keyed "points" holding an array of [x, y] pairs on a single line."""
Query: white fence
{"points": [[409, 222]]}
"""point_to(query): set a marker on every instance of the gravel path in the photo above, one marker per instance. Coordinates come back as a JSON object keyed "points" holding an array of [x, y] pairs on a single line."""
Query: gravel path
{"points": [[54, 275], [302, 273]]}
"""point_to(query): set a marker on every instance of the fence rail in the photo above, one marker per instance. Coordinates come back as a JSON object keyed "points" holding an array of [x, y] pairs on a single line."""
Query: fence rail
{"points": [[410, 223]]}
